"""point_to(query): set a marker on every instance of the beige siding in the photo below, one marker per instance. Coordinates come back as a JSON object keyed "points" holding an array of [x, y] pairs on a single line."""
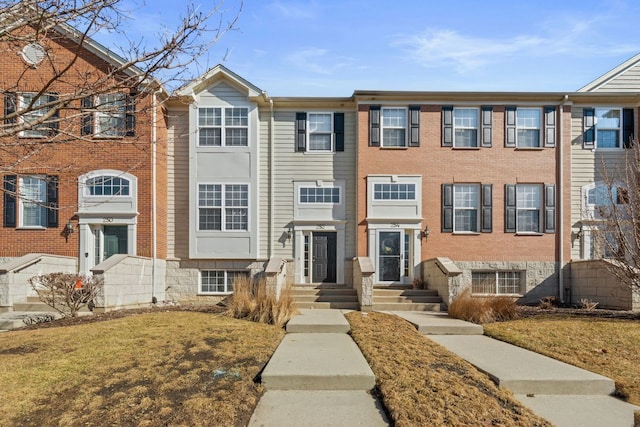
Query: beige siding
{"points": [[178, 184], [223, 92], [587, 167], [627, 81]]}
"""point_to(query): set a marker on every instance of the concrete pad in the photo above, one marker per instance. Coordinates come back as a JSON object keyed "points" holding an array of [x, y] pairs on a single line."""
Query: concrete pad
{"points": [[318, 321], [317, 361], [584, 411], [430, 323], [523, 371], [318, 408]]}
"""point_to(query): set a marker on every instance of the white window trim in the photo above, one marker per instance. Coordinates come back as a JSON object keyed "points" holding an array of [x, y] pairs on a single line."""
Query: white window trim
{"points": [[87, 192], [105, 112], [43, 132], [588, 209], [539, 128], [477, 128], [323, 188], [226, 281], [222, 208], [540, 210], [331, 133], [477, 209], [496, 277], [223, 127], [595, 123], [405, 128], [415, 192], [41, 203]]}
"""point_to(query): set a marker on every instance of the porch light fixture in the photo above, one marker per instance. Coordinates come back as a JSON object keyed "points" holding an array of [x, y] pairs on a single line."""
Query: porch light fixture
{"points": [[69, 228], [289, 234], [426, 231]]}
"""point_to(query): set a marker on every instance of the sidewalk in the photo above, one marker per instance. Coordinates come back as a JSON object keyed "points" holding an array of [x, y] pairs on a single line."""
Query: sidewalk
{"points": [[318, 377], [563, 394]]}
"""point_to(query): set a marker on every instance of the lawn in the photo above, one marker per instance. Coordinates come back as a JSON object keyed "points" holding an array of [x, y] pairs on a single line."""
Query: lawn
{"points": [[423, 384], [153, 369], [607, 346]]}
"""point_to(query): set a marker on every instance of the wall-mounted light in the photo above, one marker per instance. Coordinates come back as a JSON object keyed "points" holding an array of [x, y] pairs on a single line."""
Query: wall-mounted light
{"points": [[426, 232], [69, 229], [289, 234]]}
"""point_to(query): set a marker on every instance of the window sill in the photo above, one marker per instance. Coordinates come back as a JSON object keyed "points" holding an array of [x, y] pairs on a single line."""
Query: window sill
{"points": [[313, 153], [497, 295], [393, 148], [530, 148], [608, 149], [466, 148], [466, 233], [103, 137], [220, 146], [524, 233], [213, 294], [31, 228]]}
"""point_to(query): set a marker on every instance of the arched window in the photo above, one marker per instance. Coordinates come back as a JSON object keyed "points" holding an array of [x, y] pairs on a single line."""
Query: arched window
{"points": [[106, 185]]}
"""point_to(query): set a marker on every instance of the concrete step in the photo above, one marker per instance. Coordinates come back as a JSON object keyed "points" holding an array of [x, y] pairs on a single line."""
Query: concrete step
{"points": [[405, 306], [39, 307], [406, 299], [583, 411], [432, 323], [318, 408], [317, 361], [523, 371], [325, 305], [325, 298], [404, 292], [323, 291], [17, 319], [318, 321]]}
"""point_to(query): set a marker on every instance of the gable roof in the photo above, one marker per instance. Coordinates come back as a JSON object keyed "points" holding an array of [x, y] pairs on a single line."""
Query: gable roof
{"points": [[218, 72], [615, 74]]}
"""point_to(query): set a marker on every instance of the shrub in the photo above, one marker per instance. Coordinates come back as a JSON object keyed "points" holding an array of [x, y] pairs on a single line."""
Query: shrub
{"points": [[587, 304], [548, 303], [483, 309], [251, 301], [67, 293]]}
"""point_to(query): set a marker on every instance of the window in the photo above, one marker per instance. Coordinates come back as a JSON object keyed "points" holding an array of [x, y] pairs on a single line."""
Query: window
{"points": [[223, 207], [528, 203], [394, 191], [496, 282], [465, 126], [320, 195], [33, 199], [466, 199], [220, 281], [608, 127], [212, 132], [394, 127], [528, 121], [107, 186], [320, 131], [598, 198], [37, 110], [109, 115]]}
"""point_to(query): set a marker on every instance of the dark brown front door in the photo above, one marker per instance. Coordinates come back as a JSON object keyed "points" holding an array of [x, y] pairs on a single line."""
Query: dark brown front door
{"points": [[324, 258]]}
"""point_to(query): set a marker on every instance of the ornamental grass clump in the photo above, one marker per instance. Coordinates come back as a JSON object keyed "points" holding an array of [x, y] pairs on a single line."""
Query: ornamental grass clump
{"points": [[251, 301], [483, 309]]}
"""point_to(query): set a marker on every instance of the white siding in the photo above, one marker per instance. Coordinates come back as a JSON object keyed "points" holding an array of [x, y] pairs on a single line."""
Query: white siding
{"points": [[626, 81]]}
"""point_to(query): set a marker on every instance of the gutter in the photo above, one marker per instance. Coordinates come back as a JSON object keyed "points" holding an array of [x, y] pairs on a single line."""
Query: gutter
{"points": [[560, 213], [154, 198], [271, 227]]}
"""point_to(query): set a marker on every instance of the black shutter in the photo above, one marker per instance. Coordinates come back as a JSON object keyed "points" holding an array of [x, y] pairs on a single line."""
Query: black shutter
{"points": [[301, 132], [10, 106], [414, 126], [486, 124], [52, 201], [550, 126], [338, 130], [10, 205], [54, 121], [487, 208], [130, 115], [549, 208], [510, 208], [447, 126], [374, 126], [510, 126], [627, 127], [447, 208], [87, 116], [589, 136]]}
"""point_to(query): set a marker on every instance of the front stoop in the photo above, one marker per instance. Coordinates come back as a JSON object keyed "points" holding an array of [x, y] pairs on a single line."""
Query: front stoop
{"points": [[318, 361], [325, 297], [405, 298]]}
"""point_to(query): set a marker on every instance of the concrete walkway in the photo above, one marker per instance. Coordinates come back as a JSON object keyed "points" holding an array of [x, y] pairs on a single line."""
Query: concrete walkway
{"points": [[318, 377], [561, 393]]}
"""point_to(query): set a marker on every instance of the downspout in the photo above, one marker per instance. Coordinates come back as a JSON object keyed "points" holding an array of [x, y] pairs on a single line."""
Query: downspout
{"points": [[560, 213], [154, 201], [271, 174]]}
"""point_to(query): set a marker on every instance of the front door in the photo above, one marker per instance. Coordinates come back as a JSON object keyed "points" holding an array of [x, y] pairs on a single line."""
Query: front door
{"points": [[390, 256], [115, 240], [324, 258]]}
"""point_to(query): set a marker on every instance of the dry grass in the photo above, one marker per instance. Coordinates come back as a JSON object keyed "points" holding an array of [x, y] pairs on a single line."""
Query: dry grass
{"points": [[423, 384], [610, 347], [163, 368], [251, 301], [482, 309]]}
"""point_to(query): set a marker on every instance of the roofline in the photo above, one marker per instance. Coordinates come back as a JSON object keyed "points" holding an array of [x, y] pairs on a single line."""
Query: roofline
{"points": [[199, 83], [611, 73]]}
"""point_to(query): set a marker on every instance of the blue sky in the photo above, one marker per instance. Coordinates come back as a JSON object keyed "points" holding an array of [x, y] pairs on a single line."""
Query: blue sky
{"points": [[333, 47]]}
